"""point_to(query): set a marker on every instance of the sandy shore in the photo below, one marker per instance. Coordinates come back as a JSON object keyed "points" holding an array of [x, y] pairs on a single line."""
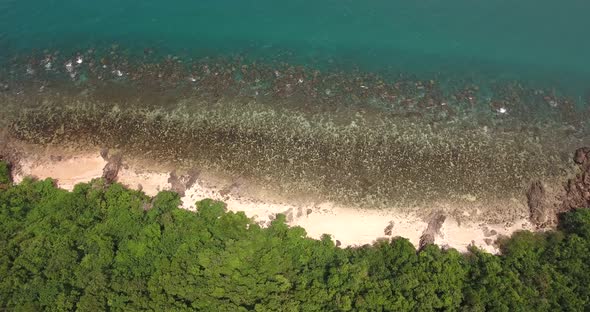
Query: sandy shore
{"points": [[349, 226]]}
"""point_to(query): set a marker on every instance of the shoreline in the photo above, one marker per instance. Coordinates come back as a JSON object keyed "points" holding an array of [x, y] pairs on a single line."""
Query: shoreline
{"points": [[348, 226]]}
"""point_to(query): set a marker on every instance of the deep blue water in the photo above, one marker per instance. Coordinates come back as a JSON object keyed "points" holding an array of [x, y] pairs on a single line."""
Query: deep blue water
{"points": [[543, 41]]}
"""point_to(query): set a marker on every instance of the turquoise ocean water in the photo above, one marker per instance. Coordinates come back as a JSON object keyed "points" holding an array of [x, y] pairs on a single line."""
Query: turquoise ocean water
{"points": [[541, 41]]}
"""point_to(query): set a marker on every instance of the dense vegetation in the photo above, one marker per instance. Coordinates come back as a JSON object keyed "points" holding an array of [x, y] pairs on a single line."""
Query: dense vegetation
{"points": [[103, 247]]}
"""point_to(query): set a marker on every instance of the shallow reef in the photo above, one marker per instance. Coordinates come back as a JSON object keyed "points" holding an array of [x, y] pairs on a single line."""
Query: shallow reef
{"points": [[343, 136]]}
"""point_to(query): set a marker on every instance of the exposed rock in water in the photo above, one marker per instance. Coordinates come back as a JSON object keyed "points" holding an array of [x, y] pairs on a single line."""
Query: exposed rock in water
{"points": [[432, 230], [111, 170]]}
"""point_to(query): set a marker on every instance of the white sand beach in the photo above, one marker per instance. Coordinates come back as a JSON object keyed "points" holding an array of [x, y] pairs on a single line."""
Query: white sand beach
{"points": [[349, 226]]}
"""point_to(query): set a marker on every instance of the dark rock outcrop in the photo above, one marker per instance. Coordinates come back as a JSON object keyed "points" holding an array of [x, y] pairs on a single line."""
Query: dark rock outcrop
{"points": [[389, 229], [180, 184], [578, 188], [111, 170], [539, 212], [434, 225], [581, 155]]}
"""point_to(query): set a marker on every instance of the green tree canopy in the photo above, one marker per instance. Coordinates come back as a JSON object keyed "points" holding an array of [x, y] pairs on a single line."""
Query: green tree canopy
{"points": [[103, 247]]}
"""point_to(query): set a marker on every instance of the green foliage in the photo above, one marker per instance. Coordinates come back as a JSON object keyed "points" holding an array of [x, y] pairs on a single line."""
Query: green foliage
{"points": [[576, 222], [4, 173], [105, 247]]}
